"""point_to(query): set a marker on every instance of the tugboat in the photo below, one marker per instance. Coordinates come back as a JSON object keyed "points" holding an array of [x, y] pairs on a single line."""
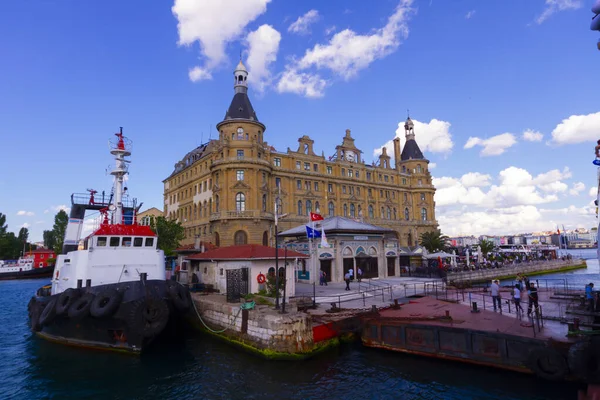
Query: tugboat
{"points": [[112, 294], [24, 268]]}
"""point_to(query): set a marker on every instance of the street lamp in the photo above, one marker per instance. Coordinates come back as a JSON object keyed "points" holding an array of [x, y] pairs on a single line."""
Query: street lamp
{"points": [[277, 216]]}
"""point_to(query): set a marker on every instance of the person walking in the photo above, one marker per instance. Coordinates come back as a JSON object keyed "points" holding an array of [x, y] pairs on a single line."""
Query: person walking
{"points": [[347, 279], [321, 279], [517, 299], [533, 298], [351, 272], [495, 289], [359, 274], [589, 297]]}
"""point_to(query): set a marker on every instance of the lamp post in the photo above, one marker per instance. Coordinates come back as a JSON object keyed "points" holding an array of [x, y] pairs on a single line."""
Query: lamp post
{"points": [[277, 216], [284, 277]]}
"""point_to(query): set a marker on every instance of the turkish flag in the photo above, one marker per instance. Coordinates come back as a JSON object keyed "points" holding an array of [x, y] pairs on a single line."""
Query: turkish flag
{"points": [[315, 217]]}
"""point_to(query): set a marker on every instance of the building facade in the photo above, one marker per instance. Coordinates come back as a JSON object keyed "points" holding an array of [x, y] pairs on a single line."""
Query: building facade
{"points": [[146, 217], [225, 191]]}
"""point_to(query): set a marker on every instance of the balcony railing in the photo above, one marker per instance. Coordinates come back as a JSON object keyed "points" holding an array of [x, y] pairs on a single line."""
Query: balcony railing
{"points": [[246, 214]]}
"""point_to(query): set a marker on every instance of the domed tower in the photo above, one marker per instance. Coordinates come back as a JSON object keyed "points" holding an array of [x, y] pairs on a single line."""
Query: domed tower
{"points": [[417, 201], [241, 172]]}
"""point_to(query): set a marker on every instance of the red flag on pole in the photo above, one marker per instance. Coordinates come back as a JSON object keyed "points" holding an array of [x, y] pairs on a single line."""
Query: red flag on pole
{"points": [[315, 217]]}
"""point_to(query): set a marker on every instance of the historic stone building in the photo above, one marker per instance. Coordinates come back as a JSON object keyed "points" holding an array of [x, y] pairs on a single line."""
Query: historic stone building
{"points": [[224, 191]]}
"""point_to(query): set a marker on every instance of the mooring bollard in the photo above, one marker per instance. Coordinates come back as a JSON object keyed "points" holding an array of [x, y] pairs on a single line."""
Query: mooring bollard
{"points": [[474, 310], [447, 313]]}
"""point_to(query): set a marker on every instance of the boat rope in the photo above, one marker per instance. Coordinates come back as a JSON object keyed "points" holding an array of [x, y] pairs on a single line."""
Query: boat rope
{"points": [[212, 330]]}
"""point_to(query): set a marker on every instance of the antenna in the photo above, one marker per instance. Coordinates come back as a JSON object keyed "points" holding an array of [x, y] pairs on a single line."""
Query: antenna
{"points": [[408, 113], [209, 132]]}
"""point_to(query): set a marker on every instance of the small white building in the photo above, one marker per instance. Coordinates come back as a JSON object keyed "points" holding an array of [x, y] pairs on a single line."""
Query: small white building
{"points": [[245, 263]]}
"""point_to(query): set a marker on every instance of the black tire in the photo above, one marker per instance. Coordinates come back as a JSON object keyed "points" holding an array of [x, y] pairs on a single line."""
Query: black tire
{"points": [[584, 361], [148, 317], [49, 313], [34, 308], [81, 307], [66, 299], [548, 363], [106, 303], [180, 296]]}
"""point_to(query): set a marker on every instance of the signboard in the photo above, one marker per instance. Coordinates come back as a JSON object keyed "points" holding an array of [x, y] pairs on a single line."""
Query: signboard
{"points": [[361, 238]]}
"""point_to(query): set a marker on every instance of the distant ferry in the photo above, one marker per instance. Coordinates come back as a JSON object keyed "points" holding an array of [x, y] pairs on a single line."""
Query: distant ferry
{"points": [[33, 265]]}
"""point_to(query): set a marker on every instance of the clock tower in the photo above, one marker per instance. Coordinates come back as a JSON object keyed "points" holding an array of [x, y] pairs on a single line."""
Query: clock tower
{"points": [[347, 151]]}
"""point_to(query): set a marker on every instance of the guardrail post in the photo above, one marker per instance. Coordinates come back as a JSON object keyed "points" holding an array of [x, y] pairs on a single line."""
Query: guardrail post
{"points": [[340, 302], [382, 298], [364, 302], [314, 295]]}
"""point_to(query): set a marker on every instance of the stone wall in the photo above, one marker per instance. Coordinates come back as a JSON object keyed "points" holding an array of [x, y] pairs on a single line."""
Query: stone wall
{"points": [[266, 329]]}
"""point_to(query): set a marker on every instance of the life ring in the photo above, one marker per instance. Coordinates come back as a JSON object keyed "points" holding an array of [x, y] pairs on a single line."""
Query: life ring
{"points": [[65, 300], [81, 307], [48, 313], [261, 278], [148, 317], [547, 363], [106, 303], [584, 360], [179, 295]]}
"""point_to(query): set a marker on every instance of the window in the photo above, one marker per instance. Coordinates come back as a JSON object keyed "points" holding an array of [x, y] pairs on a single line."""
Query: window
{"points": [[422, 196], [345, 210], [317, 207], [264, 177], [240, 155], [358, 191], [316, 186], [381, 193], [424, 214], [316, 167], [101, 241], [370, 192], [351, 189], [264, 202], [277, 182], [330, 188], [137, 242], [386, 178], [344, 189], [371, 212], [352, 210], [329, 170], [420, 182], [307, 185], [149, 242], [308, 207], [403, 168], [392, 179], [239, 175], [350, 173], [395, 213], [265, 241], [307, 166], [305, 148], [126, 242], [389, 213], [357, 174], [382, 212], [240, 134], [406, 214], [405, 197], [369, 176], [240, 202], [114, 241], [299, 207], [205, 186], [380, 177], [418, 168], [393, 194], [343, 171], [298, 184], [298, 165], [331, 209], [277, 162], [240, 238], [387, 194]]}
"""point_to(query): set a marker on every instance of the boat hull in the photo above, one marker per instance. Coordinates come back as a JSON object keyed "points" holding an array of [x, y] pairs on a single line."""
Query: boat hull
{"points": [[147, 311], [44, 272]]}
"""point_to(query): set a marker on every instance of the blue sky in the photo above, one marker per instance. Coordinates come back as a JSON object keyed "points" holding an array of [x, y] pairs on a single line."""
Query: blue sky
{"points": [[475, 74]]}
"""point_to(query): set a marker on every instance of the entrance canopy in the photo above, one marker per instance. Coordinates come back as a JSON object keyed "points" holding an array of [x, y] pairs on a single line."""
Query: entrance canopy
{"points": [[440, 254]]}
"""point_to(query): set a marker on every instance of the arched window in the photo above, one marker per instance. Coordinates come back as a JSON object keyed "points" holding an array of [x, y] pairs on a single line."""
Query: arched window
{"points": [[217, 203], [308, 207], [299, 207], [406, 214], [264, 203], [352, 210], [360, 210], [389, 213], [317, 207], [205, 209], [195, 211], [403, 168], [331, 209], [265, 238], [371, 214], [395, 214], [217, 239], [345, 210], [210, 206], [240, 202], [382, 212], [418, 168], [240, 238], [424, 214]]}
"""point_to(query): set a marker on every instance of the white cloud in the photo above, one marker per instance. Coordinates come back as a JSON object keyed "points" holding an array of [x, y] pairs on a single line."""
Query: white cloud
{"points": [[25, 225], [577, 188], [60, 207], [433, 136], [213, 24], [263, 45], [553, 6], [305, 84], [593, 192], [198, 74], [330, 30], [532, 136], [475, 179], [470, 14], [432, 165], [493, 146], [26, 213], [577, 129], [46, 211], [302, 25]]}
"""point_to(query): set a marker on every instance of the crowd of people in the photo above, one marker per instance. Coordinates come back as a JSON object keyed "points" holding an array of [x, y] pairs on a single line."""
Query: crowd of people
{"points": [[523, 289]]}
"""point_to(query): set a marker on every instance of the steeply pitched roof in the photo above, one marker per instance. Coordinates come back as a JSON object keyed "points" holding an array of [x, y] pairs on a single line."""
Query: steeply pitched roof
{"points": [[245, 252], [241, 108], [339, 224], [411, 151]]}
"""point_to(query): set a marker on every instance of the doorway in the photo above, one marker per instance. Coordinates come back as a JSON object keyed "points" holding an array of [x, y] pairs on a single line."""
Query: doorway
{"points": [[348, 265], [326, 267], [391, 266]]}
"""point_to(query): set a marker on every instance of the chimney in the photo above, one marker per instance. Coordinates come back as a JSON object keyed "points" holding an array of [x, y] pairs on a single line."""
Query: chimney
{"points": [[397, 152]]}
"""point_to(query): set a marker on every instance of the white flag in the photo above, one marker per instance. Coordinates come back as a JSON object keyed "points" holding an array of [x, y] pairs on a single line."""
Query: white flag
{"points": [[323, 238]]}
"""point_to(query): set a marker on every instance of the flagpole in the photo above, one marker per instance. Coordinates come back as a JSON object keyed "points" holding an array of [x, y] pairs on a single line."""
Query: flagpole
{"points": [[276, 257]]}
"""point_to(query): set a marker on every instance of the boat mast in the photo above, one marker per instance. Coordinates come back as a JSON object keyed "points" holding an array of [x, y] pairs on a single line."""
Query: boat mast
{"points": [[120, 150]]}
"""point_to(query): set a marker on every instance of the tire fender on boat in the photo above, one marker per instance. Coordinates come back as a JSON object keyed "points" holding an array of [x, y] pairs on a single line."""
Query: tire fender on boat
{"points": [[66, 299], [148, 317], [179, 295], [584, 360], [34, 308], [48, 313], [81, 307], [547, 363], [106, 303]]}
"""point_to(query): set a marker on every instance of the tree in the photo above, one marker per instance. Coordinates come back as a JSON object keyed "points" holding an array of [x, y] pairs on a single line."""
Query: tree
{"points": [[170, 233], [487, 246], [49, 239], [23, 235], [61, 219], [434, 241], [3, 225]]}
